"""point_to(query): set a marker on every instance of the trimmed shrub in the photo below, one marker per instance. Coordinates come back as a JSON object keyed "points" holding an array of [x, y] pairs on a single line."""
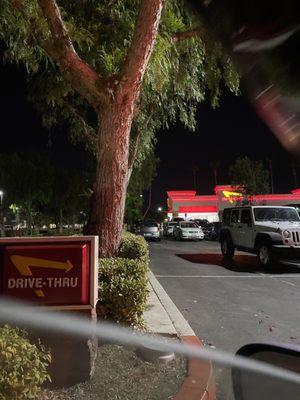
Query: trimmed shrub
{"points": [[23, 365], [133, 247], [123, 290]]}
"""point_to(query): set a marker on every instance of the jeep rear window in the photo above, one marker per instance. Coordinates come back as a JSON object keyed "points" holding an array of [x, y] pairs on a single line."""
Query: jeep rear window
{"points": [[275, 214], [235, 216], [245, 217], [226, 216]]}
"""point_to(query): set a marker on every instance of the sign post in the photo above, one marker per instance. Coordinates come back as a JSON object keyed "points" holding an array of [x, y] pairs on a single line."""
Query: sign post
{"points": [[58, 274]]}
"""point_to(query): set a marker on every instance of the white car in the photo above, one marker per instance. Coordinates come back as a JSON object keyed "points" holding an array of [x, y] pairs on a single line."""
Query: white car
{"points": [[188, 230], [149, 229], [169, 230]]}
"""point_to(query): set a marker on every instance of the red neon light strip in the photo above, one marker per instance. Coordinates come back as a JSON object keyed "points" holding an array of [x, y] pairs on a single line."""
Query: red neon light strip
{"points": [[198, 209], [212, 198]]}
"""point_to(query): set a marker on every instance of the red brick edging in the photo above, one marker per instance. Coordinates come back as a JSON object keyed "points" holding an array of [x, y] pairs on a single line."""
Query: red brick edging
{"points": [[199, 383]]}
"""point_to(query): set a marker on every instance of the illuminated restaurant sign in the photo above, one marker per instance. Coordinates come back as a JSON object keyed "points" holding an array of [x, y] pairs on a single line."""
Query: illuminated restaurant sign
{"points": [[232, 197]]}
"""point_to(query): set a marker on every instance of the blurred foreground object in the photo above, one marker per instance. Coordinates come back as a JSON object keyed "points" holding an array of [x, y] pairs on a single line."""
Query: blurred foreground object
{"points": [[253, 386], [263, 39]]}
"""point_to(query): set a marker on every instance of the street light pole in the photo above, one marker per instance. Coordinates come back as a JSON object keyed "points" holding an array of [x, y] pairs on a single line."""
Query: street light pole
{"points": [[1, 214]]}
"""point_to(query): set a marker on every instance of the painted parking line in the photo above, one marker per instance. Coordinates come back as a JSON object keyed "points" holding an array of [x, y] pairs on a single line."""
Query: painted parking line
{"points": [[288, 283], [279, 277]]}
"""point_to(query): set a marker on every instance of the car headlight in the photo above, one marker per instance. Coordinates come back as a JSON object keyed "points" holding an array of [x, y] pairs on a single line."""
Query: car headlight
{"points": [[286, 234]]}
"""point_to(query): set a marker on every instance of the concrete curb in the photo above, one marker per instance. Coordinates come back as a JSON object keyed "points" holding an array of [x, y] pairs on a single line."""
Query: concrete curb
{"points": [[199, 383]]}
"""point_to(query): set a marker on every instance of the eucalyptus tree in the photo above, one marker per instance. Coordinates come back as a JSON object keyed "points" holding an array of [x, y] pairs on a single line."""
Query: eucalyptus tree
{"points": [[115, 71], [27, 180]]}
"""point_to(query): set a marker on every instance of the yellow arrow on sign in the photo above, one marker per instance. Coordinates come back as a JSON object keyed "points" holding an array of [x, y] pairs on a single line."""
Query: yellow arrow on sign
{"points": [[23, 264]]}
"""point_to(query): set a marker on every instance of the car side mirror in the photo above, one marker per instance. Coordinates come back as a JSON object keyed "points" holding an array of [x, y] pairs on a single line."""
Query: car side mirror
{"points": [[248, 385]]}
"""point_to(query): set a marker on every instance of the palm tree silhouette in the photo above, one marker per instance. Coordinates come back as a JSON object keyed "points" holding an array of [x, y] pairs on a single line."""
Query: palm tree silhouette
{"points": [[215, 166], [294, 166], [195, 169]]}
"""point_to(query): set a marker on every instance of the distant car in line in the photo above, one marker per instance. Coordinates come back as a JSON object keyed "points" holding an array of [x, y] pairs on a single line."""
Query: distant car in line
{"points": [[169, 228], [149, 229], [188, 230], [8, 227], [178, 219]]}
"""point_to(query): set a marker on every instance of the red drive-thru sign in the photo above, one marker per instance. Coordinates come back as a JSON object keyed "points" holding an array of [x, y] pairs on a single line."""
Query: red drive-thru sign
{"points": [[58, 272]]}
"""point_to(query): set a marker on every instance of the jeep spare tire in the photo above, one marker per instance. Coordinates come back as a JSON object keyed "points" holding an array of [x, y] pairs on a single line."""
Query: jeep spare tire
{"points": [[227, 247]]}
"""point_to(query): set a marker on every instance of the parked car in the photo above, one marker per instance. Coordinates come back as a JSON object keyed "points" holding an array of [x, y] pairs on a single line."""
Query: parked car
{"points": [[271, 232], [149, 229], [201, 222], [178, 219], [8, 227], [212, 231], [188, 230], [169, 228]]}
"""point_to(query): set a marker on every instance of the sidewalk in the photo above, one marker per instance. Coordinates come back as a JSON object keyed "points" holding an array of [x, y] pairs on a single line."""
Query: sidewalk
{"points": [[163, 317]]}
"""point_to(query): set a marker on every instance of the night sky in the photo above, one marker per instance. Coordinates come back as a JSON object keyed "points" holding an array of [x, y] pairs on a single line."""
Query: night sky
{"points": [[223, 134]]}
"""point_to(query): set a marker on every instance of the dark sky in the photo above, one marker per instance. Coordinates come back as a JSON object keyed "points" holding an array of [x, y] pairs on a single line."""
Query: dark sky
{"points": [[223, 134], [21, 126]]}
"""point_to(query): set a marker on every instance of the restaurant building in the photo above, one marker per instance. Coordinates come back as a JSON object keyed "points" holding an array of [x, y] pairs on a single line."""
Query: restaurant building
{"points": [[188, 205]]}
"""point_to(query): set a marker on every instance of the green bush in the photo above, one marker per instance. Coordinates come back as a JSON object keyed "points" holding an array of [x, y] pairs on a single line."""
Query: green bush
{"points": [[23, 365], [133, 247], [122, 290]]}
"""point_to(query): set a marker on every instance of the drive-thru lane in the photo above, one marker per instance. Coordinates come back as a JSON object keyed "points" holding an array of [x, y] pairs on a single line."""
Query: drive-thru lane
{"points": [[228, 304]]}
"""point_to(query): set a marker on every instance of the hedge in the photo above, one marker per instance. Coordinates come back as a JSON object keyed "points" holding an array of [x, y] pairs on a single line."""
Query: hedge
{"points": [[23, 365], [133, 247], [123, 283]]}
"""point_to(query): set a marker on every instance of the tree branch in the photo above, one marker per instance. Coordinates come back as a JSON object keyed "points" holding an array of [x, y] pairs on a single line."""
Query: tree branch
{"points": [[180, 36], [134, 143], [84, 79], [142, 44], [89, 133], [135, 136]]}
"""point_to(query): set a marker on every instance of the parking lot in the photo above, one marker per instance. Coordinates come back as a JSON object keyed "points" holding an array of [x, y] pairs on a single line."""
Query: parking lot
{"points": [[229, 304]]}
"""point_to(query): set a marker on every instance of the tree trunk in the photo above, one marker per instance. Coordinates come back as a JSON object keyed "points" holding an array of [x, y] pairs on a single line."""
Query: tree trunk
{"points": [[115, 119], [114, 100], [108, 201]]}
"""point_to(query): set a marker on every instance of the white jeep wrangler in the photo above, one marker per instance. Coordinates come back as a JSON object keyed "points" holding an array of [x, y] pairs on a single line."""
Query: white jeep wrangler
{"points": [[271, 232]]}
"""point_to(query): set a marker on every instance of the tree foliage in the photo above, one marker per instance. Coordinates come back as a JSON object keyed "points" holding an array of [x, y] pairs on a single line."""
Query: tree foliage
{"points": [[89, 66], [26, 179], [250, 176], [141, 179], [178, 77], [40, 192]]}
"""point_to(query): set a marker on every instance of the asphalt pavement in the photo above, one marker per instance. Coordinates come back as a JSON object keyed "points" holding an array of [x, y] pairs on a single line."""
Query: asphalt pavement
{"points": [[228, 304]]}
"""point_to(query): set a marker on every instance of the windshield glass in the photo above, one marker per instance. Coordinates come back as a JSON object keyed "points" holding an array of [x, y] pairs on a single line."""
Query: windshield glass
{"points": [[150, 224], [189, 225], [275, 214]]}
